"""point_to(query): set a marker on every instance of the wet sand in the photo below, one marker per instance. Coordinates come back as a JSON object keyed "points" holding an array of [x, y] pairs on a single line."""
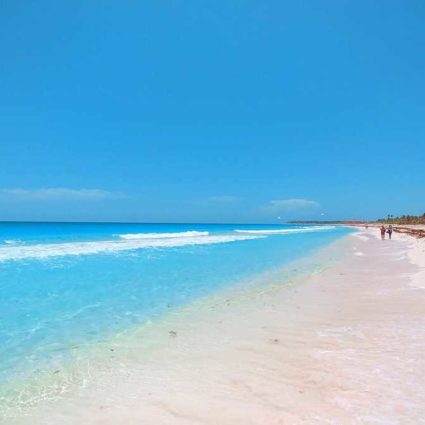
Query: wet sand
{"points": [[343, 346]]}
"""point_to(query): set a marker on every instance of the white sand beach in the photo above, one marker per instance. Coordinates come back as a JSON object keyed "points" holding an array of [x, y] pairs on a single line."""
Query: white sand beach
{"points": [[343, 346]]}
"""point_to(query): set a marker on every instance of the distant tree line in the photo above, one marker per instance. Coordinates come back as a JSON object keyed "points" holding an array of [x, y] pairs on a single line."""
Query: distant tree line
{"points": [[403, 219], [354, 222]]}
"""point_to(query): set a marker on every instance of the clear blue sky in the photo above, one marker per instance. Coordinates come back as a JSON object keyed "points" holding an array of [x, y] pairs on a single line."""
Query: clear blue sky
{"points": [[228, 110]]}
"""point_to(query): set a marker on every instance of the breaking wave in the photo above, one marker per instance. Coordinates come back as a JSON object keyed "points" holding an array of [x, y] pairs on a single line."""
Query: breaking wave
{"points": [[191, 233], [43, 251], [285, 231]]}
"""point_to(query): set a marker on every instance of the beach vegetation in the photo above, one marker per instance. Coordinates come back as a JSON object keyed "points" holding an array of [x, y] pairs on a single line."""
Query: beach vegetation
{"points": [[403, 219]]}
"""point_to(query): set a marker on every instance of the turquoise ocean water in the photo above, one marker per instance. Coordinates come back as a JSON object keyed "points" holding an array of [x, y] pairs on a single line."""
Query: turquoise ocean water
{"points": [[64, 284]]}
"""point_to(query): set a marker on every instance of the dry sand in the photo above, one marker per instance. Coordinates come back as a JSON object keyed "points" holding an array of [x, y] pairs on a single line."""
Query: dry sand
{"points": [[344, 346]]}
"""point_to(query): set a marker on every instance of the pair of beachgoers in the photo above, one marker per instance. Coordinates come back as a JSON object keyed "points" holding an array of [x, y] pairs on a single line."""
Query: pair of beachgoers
{"points": [[388, 230]]}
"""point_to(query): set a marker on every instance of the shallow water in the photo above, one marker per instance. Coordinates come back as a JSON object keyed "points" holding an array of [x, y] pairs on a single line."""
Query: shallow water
{"points": [[64, 286]]}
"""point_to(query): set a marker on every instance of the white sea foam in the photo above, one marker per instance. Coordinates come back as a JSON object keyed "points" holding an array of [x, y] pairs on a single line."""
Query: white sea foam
{"points": [[191, 233], [11, 241], [285, 231], [43, 251], [361, 237]]}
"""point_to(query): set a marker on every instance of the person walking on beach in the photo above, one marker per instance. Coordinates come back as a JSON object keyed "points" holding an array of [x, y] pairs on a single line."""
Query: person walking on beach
{"points": [[390, 231], [382, 232]]}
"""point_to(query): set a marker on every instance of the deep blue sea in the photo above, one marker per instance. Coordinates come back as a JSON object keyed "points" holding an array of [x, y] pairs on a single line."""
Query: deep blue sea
{"points": [[66, 284]]}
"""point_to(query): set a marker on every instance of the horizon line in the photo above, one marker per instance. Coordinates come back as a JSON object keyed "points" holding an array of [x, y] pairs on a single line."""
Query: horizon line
{"points": [[171, 222]]}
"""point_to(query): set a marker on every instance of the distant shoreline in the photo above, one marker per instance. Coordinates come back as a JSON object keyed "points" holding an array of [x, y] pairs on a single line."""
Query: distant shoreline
{"points": [[321, 222], [415, 230]]}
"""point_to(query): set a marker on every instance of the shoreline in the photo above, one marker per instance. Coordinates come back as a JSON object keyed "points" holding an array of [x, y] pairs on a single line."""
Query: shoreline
{"points": [[59, 379], [329, 349]]}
